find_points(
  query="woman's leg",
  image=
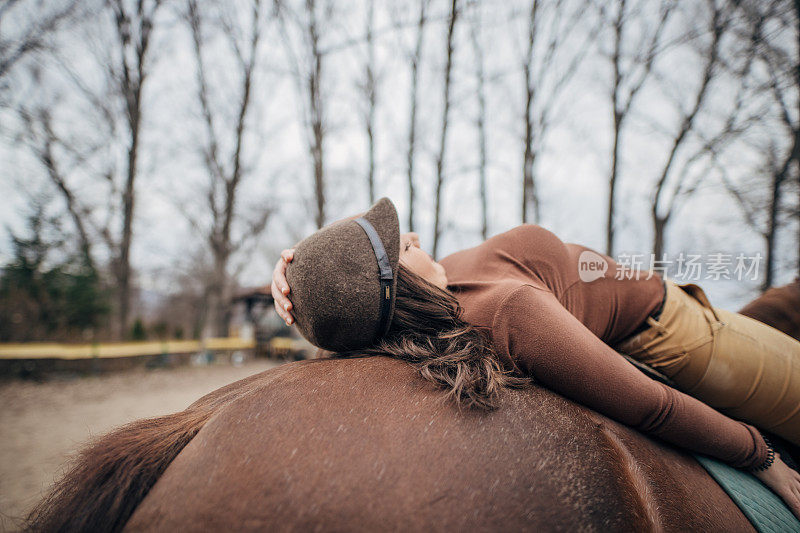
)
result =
(740, 366)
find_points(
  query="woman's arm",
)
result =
(555, 348)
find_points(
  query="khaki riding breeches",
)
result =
(740, 366)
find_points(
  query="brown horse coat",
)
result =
(365, 444)
(779, 307)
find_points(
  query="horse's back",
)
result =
(365, 444)
(778, 307)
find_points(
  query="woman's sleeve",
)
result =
(548, 343)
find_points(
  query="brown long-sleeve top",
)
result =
(523, 287)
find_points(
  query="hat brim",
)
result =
(336, 282)
(383, 216)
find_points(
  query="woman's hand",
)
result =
(784, 482)
(280, 287)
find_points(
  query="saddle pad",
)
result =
(765, 510)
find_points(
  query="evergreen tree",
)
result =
(46, 292)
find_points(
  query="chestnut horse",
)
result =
(366, 444)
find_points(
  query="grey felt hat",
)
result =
(343, 280)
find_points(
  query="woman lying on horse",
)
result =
(518, 308)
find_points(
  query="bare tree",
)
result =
(30, 32)
(59, 160)
(369, 88)
(316, 112)
(226, 172)
(440, 158)
(778, 51)
(667, 193)
(480, 92)
(784, 83)
(307, 60)
(549, 63)
(117, 109)
(759, 213)
(628, 79)
(416, 59)
(134, 26)
(529, 194)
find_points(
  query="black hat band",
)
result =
(386, 275)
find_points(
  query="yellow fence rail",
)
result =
(47, 350)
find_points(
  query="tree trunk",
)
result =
(371, 157)
(371, 88)
(481, 122)
(219, 296)
(440, 160)
(483, 151)
(529, 195)
(128, 199)
(612, 184)
(717, 26)
(225, 179)
(796, 79)
(528, 192)
(618, 117)
(632, 79)
(133, 71)
(659, 227)
(772, 229)
(317, 114)
(412, 129)
(128, 205)
(776, 187)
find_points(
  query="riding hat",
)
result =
(343, 280)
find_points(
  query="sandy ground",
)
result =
(41, 424)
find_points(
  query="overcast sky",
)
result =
(572, 170)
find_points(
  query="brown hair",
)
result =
(428, 331)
